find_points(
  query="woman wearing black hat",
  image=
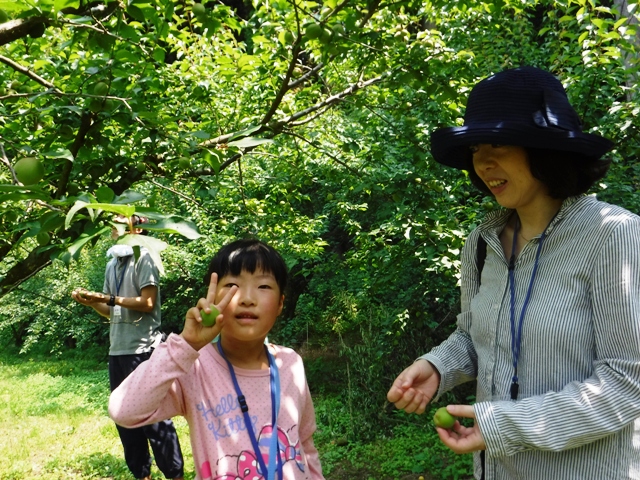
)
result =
(550, 317)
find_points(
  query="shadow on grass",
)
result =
(73, 361)
(102, 466)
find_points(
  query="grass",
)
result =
(410, 450)
(55, 411)
(53, 415)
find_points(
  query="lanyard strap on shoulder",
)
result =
(274, 380)
(115, 275)
(274, 383)
(516, 330)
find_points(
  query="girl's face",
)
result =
(254, 308)
(505, 170)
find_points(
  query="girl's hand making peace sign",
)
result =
(195, 332)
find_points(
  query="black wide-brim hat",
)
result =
(525, 106)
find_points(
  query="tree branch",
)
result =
(86, 122)
(23, 270)
(28, 73)
(179, 194)
(306, 76)
(332, 157)
(284, 86)
(5, 160)
(332, 99)
(20, 27)
(277, 127)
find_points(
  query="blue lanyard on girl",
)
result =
(274, 382)
(516, 337)
(115, 275)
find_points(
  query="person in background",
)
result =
(131, 301)
(550, 311)
(247, 402)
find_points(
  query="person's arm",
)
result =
(145, 302)
(607, 401)
(99, 301)
(456, 359)
(91, 299)
(151, 393)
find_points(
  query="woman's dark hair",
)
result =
(565, 174)
(248, 255)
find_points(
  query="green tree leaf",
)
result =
(249, 142)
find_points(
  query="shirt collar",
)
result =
(118, 251)
(495, 221)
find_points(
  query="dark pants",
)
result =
(161, 436)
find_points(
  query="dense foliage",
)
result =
(228, 119)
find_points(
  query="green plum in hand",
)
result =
(443, 418)
(209, 319)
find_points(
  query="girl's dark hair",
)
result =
(565, 174)
(248, 255)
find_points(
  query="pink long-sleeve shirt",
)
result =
(178, 380)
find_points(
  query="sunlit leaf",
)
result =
(59, 153)
(125, 210)
(14, 197)
(249, 142)
(77, 245)
(153, 245)
(245, 132)
(130, 196)
(213, 158)
(174, 225)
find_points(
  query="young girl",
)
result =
(232, 391)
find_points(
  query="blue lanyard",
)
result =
(516, 337)
(274, 383)
(115, 276)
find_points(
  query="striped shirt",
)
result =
(577, 415)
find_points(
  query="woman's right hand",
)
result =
(195, 332)
(415, 387)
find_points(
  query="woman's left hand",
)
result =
(462, 439)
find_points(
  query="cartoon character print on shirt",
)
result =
(248, 468)
(247, 465)
(287, 451)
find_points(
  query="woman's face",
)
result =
(504, 169)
